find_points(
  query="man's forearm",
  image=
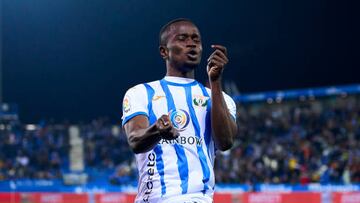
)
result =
(143, 140)
(142, 137)
(223, 126)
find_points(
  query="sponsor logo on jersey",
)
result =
(150, 175)
(190, 140)
(126, 104)
(179, 118)
(200, 101)
(155, 98)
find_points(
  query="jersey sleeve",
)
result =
(231, 105)
(134, 103)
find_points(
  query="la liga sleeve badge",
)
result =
(126, 104)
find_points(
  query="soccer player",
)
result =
(175, 125)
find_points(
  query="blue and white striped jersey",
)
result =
(184, 165)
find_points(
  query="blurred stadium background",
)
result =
(293, 146)
(65, 66)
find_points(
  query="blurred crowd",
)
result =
(107, 154)
(295, 142)
(42, 151)
(36, 153)
(314, 140)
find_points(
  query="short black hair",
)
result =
(165, 28)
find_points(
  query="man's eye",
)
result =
(182, 37)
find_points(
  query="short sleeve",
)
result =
(134, 103)
(231, 105)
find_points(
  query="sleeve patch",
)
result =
(126, 104)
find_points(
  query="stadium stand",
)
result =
(288, 141)
(282, 141)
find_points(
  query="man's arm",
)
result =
(223, 125)
(142, 137)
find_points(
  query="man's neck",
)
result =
(171, 71)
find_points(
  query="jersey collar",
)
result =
(179, 81)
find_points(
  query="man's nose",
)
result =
(191, 43)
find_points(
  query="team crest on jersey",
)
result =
(179, 118)
(200, 101)
(126, 104)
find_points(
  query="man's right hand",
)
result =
(166, 129)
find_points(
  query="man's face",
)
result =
(183, 48)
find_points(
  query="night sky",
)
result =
(74, 59)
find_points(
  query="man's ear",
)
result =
(163, 52)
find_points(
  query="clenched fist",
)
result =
(166, 129)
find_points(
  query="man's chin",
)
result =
(191, 66)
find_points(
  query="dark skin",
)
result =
(182, 53)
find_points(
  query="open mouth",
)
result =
(192, 54)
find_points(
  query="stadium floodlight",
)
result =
(30, 127)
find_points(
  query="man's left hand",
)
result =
(216, 62)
